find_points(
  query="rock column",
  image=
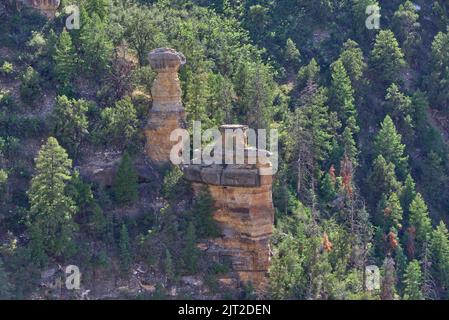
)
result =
(243, 209)
(167, 113)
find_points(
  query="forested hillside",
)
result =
(363, 120)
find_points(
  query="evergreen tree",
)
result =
(190, 251)
(419, 223)
(388, 144)
(413, 281)
(292, 55)
(439, 78)
(308, 74)
(382, 179)
(120, 122)
(439, 247)
(66, 62)
(342, 96)
(96, 47)
(353, 61)
(408, 193)
(387, 58)
(392, 212)
(398, 103)
(70, 122)
(125, 183)
(51, 209)
(125, 248)
(30, 86)
(407, 28)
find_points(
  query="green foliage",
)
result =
(66, 62)
(172, 185)
(342, 96)
(190, 253)
(387, 58)
(69, 121)
(413, 281)
(202, 211)
(51, 209)
(7, 68)
(439, 247)
(388, 144)
(292, 55)
(125, 252)
(96, 46)
(420, 222)
(407, 29)
(125, 182)
(30, 86)
(286, 269)
(120, 122)
(353, 61)
(439, 78)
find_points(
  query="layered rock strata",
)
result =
(167, 113)
(243, 209)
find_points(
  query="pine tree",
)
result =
(419, 223)
(292, 55)
(66, 61)
(392, 212)
(70, 122)
(342, 96)
(382, 179)
(398, 103)
(439, 247)
(407, 28)
(353, 61)
(387, 58)
(413, 281)
(388, 144)
(30, 86)
(96, 46)
(439, 78)
(125, 248)
(308, 74)
(125, 182)
(408, 193)
(51, 209)
(190, 251)
(120, 122)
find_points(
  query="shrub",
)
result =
(30, 85)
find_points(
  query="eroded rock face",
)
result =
(244, 212)
(167, 113)
(47, 7)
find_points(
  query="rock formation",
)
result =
(244, 211)
(47, 7)
(242, 194)
(167, 113)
